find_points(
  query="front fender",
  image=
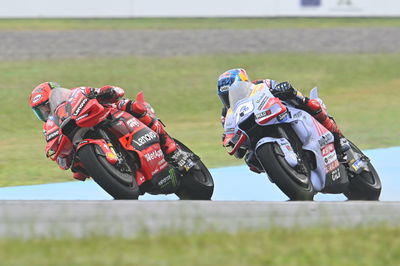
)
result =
(286, 148)
(102, 148)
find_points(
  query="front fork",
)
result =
(113, 153)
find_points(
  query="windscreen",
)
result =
(58, 96)
(238, 91)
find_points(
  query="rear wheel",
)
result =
(366, 185)
(119, 185)
(294, 182)
(195, 184)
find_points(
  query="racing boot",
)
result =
(78, 171)
(320, 113)
(80, 176)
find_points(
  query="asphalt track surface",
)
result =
(99, 43)
(21, 219)
(231, 184)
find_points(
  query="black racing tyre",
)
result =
(196, 184)
(119, 185)
(366, 185)
(296, 185)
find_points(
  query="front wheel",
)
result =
(295, 183)
(116, 183)
(195, 184)
(366, 185)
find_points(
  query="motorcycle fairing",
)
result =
(272, 108)
(55, 139)
(85, 111)
(137, 137)
(318, 140)
(314, 136)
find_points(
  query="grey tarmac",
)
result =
(24, 45)
(30, 219)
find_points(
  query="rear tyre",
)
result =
(196, 184)
(296, 185)
(116, 183)
(366, 185)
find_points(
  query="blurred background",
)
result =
(174, 51)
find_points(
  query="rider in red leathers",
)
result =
(286, 92)
(106, 95)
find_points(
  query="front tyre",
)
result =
(195, 184)
(116, 183)
(366, 185)
(295, 184)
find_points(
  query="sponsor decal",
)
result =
(358, 164)
(224, 88)
(244, 109)
(332, 166)
(261, 106)
(162, 163)
(310, 3)
(37, 98)
(39, 90)
(282, 116)
(53, 85)
(336, 174)
(146, 138)
(52, 135)
(153, 155)
(80, 107)
(81, 117)
(330, 158)
(325, 139)
(260, 98)
(132, 123)
(165, 181)
(297, 115)
(263, 114)
(327, 149)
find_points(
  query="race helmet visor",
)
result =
(42, 111)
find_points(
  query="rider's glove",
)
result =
(109, 94)
(223, 120)
(284, 91)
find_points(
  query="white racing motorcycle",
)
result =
(294, 149)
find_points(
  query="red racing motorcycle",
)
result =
(119, 152)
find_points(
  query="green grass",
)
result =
(190, 23)
(316, 246)
(361, 91)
